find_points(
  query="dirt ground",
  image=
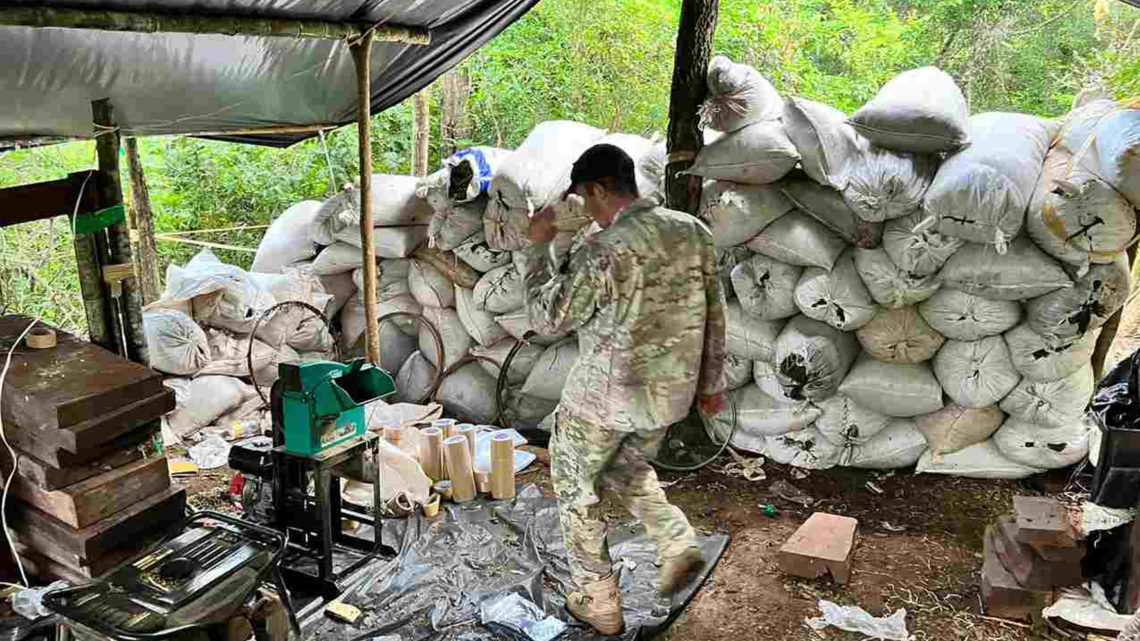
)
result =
(919, 548)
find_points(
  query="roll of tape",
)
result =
(41, 338)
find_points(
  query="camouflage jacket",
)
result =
(649, 309)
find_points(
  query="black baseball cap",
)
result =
(599, 162)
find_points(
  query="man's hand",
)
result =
(711, 405)
(542, 227)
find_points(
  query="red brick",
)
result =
(1026, 566)
(1001, 594)
(822, 546)
(1041, 521)
(1061, 555)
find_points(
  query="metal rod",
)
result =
(153, 22)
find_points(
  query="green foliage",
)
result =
(608, 63)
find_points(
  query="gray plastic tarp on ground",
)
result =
(481, 551)
(175, 83)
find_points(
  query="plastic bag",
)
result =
(920, 110)
(824, 204)
(980, 194)
(960, 316)
(899, 445)
(212, 452)
(521, 616)
(1071, 312)
(28, 602)
(976, 373)
(766, 287)
(749, 337)
(855, 619)
(916, 247)
(811, 358)
(174, 342)
(845, 422)
(825, 141)
(479, 324)
(889, 285)
(738, 96)
(500, 291)
(979, 461)
(899, 336)
(757, 154)
(287, 242)
(956, 427)
(1039, 359)
(798, 239)
(900, 390)
(837, 297)
(1023, 272)
(1052, 404)
(735, 213)
(884, 184)
(215, 294)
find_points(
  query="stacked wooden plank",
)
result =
(92, 487)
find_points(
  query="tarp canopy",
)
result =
(185, 83)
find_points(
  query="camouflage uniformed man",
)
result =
(647, 303)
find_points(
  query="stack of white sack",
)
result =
(926, 287)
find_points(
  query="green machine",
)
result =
(322, 402)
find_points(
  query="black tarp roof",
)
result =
(173, 83)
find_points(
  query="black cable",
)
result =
(470, 358)
(710, 432)
(436, 337)
(269, 312)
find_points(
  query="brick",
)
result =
(1061, 555)
(1041, 521)
(1026, 566)
(1002, 596)
(823, 545)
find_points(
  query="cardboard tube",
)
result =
(431, 453)
(502, 465)
(445, 425)
(459, 469)
(466, 430)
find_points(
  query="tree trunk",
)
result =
(690, 64)
(453, 125)
(1108, 332)
(110, 188)
(142, 221)
(421, 133)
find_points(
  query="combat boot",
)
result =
(599, 605)
(677, 571)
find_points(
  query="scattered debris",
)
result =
(1088, 608)
(522, 617)
(855, 619)
(212, 452)
(874, 488)
(342, 611)
(799, 473)
(790, 493)
(183, 468)
(751, 469)
(822, 546)
(886, 525)
(768, 510)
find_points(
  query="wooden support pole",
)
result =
(18, 15)
(109, 184)
(99, 328)
(361, 57)
(453, 126)
(690, 65)
(421, 132)
(142, 222)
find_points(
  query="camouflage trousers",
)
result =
(586, 458)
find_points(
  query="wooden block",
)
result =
(111, 425)
(55, 388)
(51, 456)
(100, 496)
(54, 478)
(823, 545)
(161, 511)
(1041, 521)
(1073, 556)
(95, 567)
(1001, 594)
(1027, 567)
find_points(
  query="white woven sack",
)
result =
(900, 390)
(735, 213)
(920, 110)
(976, 373)
(966, 317)
(798, 239)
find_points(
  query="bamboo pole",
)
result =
(142, 221)
(91, 287)
(16, 15)
(118, 235)
(361, 57)
(421, 132)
